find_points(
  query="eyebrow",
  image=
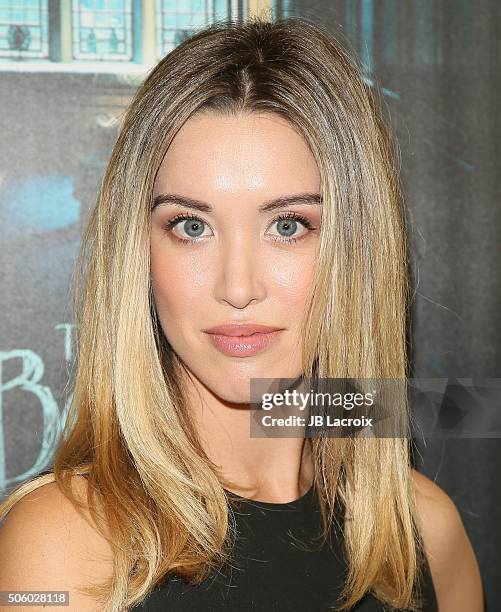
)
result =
(309, 198)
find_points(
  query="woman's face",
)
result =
(225, 256)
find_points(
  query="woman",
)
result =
(253, 183)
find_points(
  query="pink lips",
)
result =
(242, 339)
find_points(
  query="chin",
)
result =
(242, 397)
(234, 386)
(231, 386)
(231, 381)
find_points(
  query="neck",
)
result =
(277, 470)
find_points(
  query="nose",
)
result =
(240, 280)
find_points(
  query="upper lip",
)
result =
(241, 329)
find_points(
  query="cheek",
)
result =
(179, 285)
(183, 282)
(293, 282)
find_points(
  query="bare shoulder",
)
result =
(45, 544)
(452, 561)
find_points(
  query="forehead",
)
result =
(215, 152)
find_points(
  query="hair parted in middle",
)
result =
(129, 428)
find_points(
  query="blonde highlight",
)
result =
(128, 429)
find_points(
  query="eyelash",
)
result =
(289, 215)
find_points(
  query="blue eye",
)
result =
(192, 226)
(287, 225)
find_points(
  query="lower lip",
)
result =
(243, 346)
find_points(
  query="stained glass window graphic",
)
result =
(283, 8)
(24, 31)
(102, 30)
(179, 19)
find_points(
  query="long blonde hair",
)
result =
(129, 430)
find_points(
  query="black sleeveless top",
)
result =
(272, 569)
